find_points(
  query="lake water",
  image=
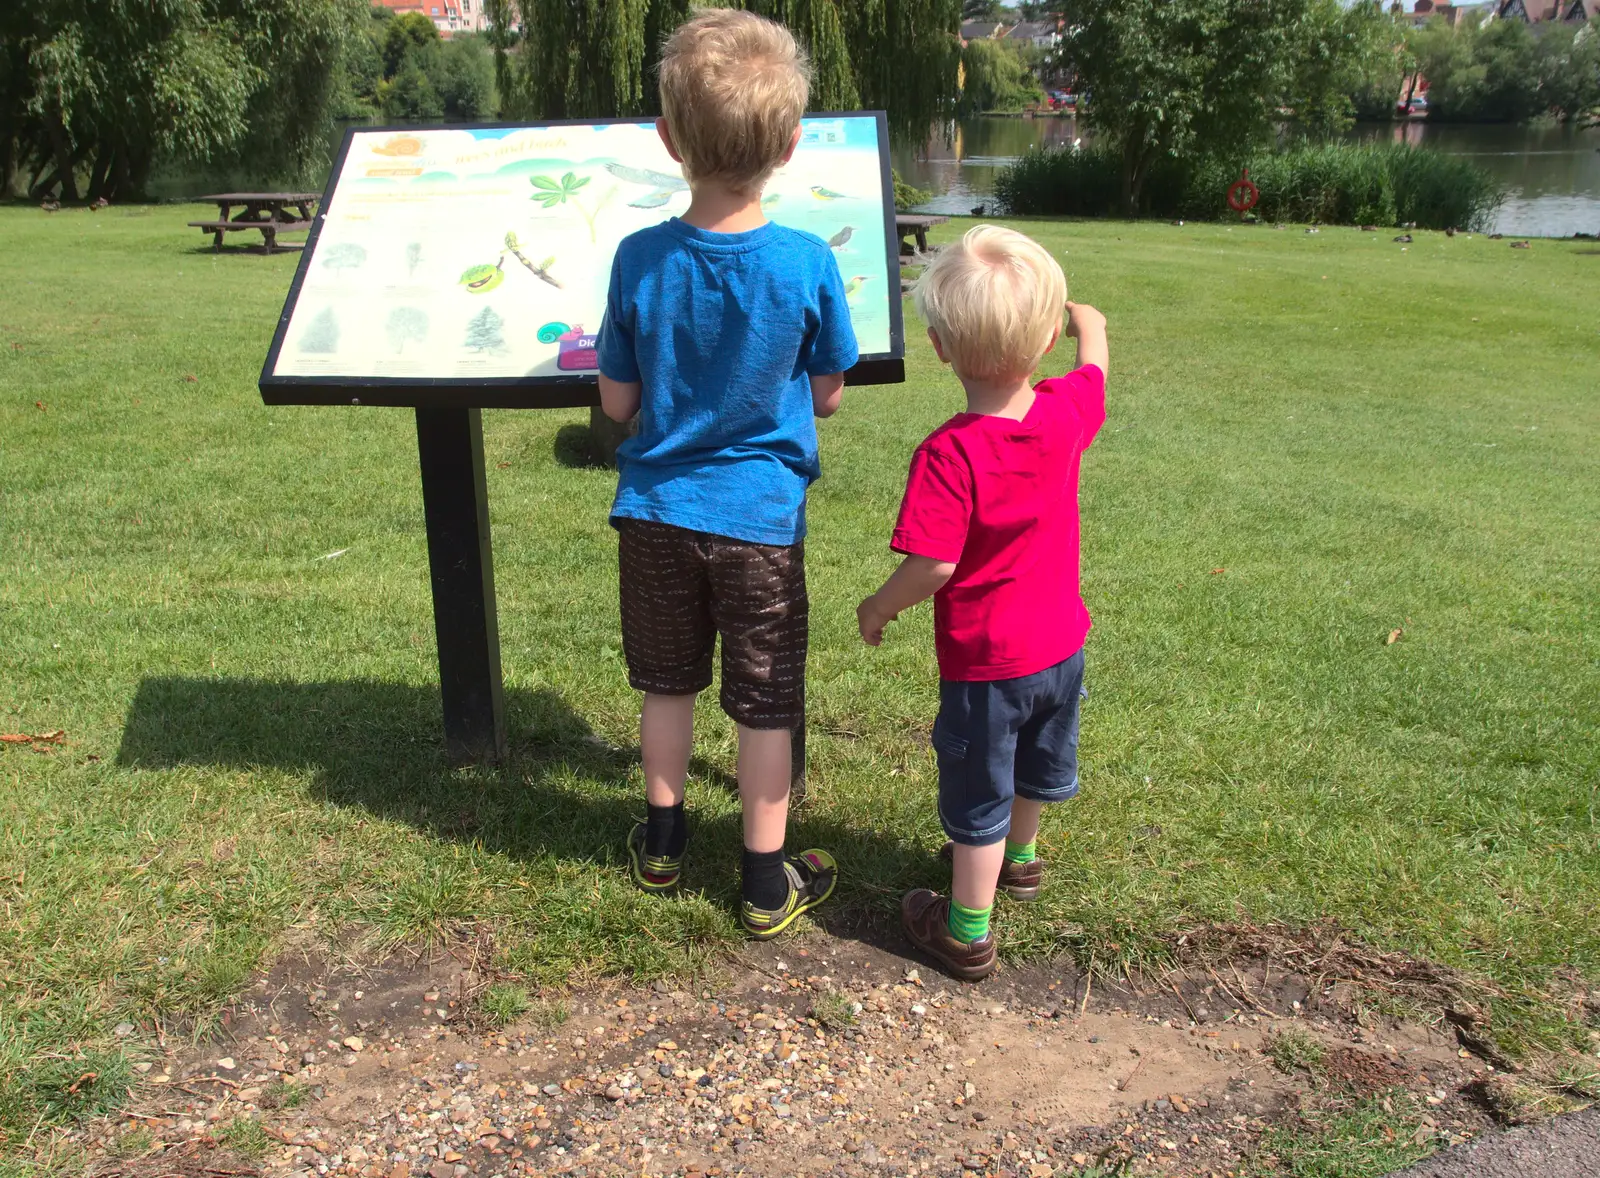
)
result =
(1552, 173)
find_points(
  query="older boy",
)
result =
(989, 529)
(728, 335)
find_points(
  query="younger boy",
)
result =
(989, 529)
(727, 335)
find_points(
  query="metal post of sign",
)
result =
(455, 502)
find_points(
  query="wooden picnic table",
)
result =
(915, 225)
(270, 212)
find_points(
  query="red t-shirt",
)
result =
(999, 498)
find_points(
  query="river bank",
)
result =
(1552, 173)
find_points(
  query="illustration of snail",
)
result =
(400, 145)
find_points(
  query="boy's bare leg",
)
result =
(974, 873)
(764, 772)
(1025, 814)
(666, 737)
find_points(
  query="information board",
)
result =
(468, 265)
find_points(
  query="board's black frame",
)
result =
(529, 392)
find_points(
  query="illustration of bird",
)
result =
(853, 287)
(664, 187)
(822, 193)
(768, 201)
(838, 240)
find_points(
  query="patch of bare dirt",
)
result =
(817, 1056)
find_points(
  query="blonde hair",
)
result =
(995, 298)
(733, 88)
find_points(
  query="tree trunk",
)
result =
(100, 173)
(40, 189)
(128, 173)
(1133, 171)
(63, 157)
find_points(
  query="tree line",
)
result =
(597, 59)
(1502, 72)
(398, 68)
(95, 95)
(1198, 79)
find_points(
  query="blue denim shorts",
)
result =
(1005, 737)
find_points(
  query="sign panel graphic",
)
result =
(481, 254)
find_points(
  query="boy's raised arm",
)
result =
(1088, 327)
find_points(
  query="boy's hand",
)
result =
(1081, 317)
(871, 617)
(1088, 327)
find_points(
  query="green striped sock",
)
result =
(1021, 852)
(968, 924)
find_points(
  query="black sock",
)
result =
(766, 883)
(665, 831)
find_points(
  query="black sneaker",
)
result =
(812, 875)
(653, 873)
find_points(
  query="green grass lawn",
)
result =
(1313, 441)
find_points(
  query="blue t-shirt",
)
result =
(724, 331)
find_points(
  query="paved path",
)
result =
(1568, 1147)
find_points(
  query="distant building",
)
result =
(1044, 34)
(448, 16)
(981, 30)
(1543, 11)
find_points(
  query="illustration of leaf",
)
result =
(545, 183)
(569, 181)
(577, 184)
(481, 279)
(547, 263)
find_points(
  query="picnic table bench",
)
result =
(270, 212)
(915, 225)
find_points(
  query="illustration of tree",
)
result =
(345, 256)
(413, 258)
(483, 332)
(551, 192)
(406, 325)
(322, 337)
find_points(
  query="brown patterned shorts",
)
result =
(680, 589)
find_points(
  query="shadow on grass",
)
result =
(564, 793)
(575, 449)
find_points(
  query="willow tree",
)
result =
(596, 58)
(102, 92)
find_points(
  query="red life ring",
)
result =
(1242, 195)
